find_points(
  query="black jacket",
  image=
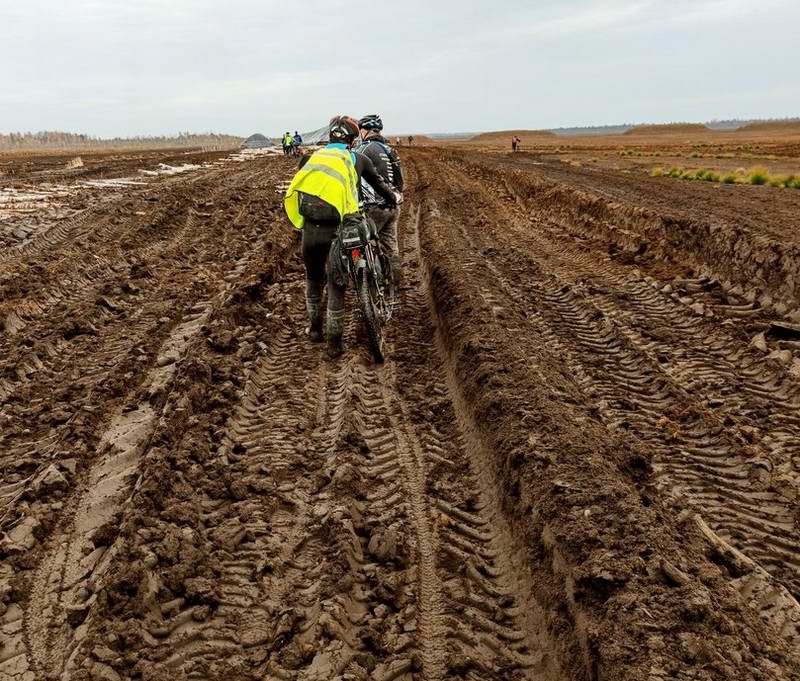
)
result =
(386, 162)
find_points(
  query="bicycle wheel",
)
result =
(369, 312)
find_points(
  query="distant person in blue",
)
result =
(297, 139)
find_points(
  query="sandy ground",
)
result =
(580, 461)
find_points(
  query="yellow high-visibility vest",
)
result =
(330, 174)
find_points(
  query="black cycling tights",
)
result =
(317, 240)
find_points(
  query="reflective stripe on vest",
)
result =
(330, 175)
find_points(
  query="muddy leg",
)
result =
(316, 244)
(335, 321)
(386, 222)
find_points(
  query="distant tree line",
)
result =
(50, 139)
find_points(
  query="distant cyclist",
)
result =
(375, 147)
(322, 192)
(288, 140)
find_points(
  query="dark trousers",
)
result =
(317, 240)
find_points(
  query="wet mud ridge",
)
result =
(562, 472)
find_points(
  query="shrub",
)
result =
(675, 171)
(778, 181)
(758, 175)
(689, 174)
(657, 172)
(729, 178)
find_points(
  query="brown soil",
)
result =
(418, 139)
(771, 127)
(505, 135)
(667, 128)
(572, 466)
(51, 166)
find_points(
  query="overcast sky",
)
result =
(114, 67)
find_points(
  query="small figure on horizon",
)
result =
(287, 141)
(410, 140)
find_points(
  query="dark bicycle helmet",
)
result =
(343, 129)
(371, 122)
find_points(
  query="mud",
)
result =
(574, 464)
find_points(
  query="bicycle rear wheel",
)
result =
(369, 312)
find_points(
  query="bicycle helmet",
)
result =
(343, 129)
(371, 122)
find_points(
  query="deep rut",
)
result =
(693, 401)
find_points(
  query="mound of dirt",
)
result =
(418, 139)
(505, 135)
(667, 129)
(772, 127)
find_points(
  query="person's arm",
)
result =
(366, 169)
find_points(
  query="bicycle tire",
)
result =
(372, 321)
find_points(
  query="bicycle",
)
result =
(362, 261)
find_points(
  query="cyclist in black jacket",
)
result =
(386, 161)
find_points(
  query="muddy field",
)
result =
(641, 150)
(581, 460)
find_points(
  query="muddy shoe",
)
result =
(314, 328)
(335, 347)
(335, 331)
(396, 268)
(314, 332)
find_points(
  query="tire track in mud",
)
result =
(89, 270)
(65, 583)
(252, 532)
(312, 579)
(55, 232)
(129, 322)
(423, 581)
(749, 505)
(640, 388)
(483, 609)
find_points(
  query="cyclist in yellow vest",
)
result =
(287, 141)
(324, 190)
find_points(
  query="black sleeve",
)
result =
(397, 171)
(303, 161)
(366, 169)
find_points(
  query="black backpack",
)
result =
(318, 210)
